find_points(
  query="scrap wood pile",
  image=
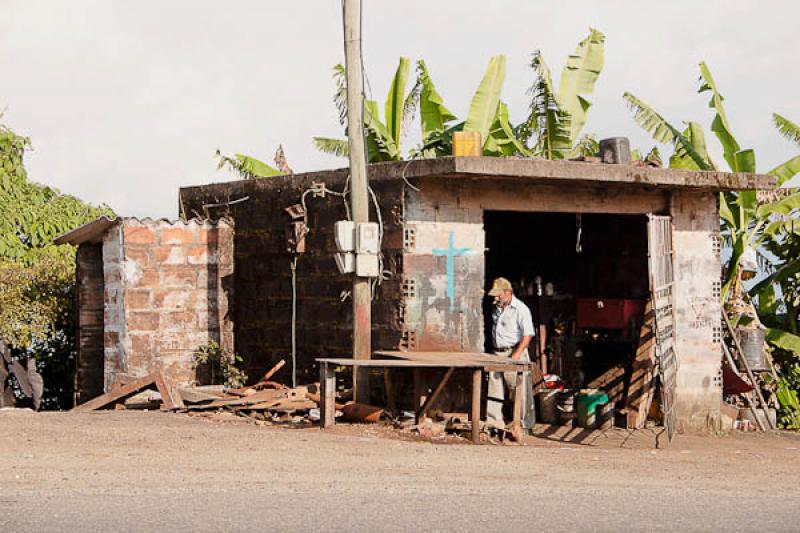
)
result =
(266, 400)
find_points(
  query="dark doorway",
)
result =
(585, 279)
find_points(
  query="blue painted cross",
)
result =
(451, 252)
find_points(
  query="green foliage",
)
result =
(787, 392)
(485, 101)
(787, 128)
(37, 278)
(555, 119)
(219, 365)
(245, 166)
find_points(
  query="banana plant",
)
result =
(746, 223)
(382, 137)
(556, 118)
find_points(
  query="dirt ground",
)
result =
(151, 471)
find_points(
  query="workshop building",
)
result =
(586, 245)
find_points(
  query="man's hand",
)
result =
(520, 348)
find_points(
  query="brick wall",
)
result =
(168, 286)
(89, 279)
(262, 314)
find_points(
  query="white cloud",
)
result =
(126, 102)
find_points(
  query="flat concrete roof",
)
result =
(543, 171)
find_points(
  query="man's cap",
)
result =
(499, 286)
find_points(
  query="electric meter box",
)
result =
(345, 262)
(344, 232)
(367, 238)
(367, 265)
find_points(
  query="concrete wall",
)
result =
(697, 309)
(166, 294)
(263, 283)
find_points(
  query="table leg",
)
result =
(516, 425)
(475, 415)
(327, 382)
(389, 388)
(420, 393)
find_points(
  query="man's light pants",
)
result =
(498, 382)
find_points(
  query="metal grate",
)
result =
(662, 281)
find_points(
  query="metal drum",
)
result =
(752, 341)
(616, 150)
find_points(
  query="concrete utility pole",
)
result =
(359, 195)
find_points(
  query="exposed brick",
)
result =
(140, 254)
(210, 235)
(138, 299)
(110, 339)
(176, 235)
(184, 320)
(138, 235)
(169, 255)
(143, 321)
(198, 255)
(178, 277)
(142, 344)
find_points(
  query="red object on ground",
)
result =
(608, 313)
(732, 383)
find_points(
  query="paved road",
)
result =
(157, 472)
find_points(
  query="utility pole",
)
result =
(359, 199)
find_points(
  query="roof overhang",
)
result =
(91, 232)
(529, 171)
(570, 172)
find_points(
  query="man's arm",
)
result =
(521, 347)
(525, 324)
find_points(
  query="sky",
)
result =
(125, 102)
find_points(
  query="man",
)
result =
(512, 331)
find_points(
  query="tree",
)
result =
(37, 278)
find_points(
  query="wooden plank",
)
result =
(167, 401)
(475, 413)
(327, 381)
(116, 394)
(435, 394)
(389, 389)
(495, 365)
(235, 401)
(192, 395)
(516, 423)
(272, 371)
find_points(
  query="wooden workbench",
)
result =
(477, 362)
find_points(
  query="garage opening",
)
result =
(586, 281)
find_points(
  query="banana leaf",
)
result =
(484, 103)
(786, 170)
(787, 128)
(578, 79)
(546, 120)
(395, 101)
(681, 158)
(737, 160)
(783, 339)
(434, 116)
(664, 132)
(502, 141)
(337, 147)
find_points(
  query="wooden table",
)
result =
(477, 362)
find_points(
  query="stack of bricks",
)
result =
(167, 291)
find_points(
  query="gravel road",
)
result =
(145, 471)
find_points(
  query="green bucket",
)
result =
(589, 405)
